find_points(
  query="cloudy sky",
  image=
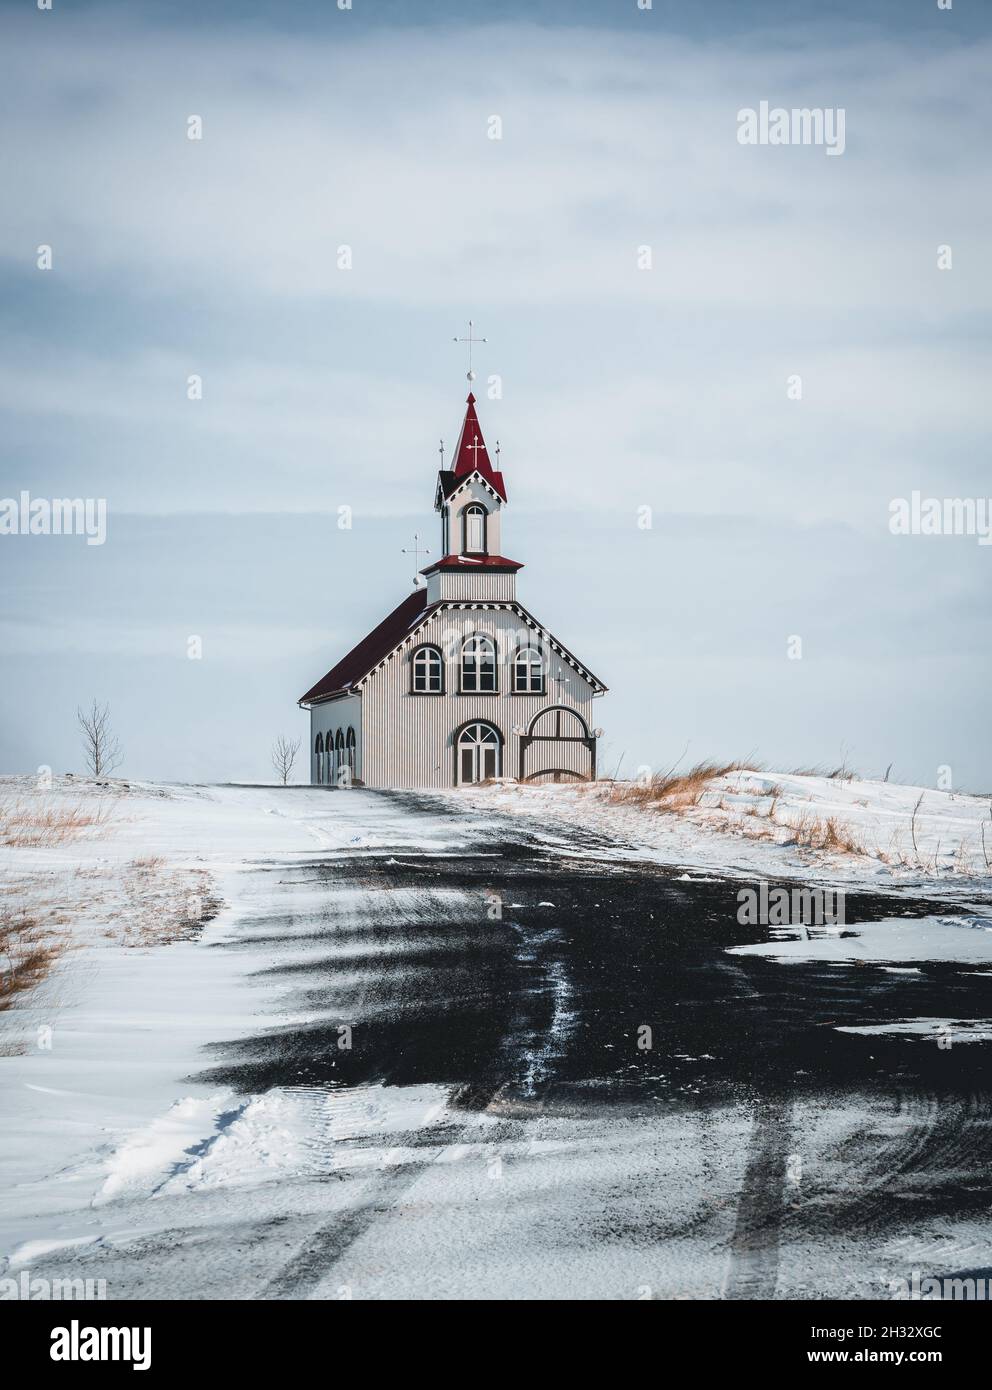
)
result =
(622, 387)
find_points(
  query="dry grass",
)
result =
(28, 950)
(27, 824)
(680, 793)
(676, 791)
(812, 832)
(159, 906)
(842, 773)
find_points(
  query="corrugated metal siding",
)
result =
(494, 588)
(327, 718)
(408, 740)
(474, 492)
(557, 754)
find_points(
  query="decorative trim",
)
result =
(457, 605)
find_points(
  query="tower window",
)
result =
(478, 665)
(428, 671)
(528, 672)
(474, 529)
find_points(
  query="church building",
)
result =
(461, 682)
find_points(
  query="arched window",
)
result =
(478, 753)
(528, 672)
(338, 754)
(474, 529)
(318, 749)
(478, 664)
(349, 752)
(428, 671)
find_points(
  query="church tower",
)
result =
(470, 497)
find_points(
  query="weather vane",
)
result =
(416, 551)
(470, 375)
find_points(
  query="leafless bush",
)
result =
(284, 752)
(101, 751)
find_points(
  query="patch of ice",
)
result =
(949, 1030)
(891, 940)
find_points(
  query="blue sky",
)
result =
(621, 388)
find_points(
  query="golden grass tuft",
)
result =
(33, 824)
(676, 791)
(28, 950)
(810, 832)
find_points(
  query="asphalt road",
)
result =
(470, 1108)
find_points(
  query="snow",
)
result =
(750, 823)
(944, 1030)
(964, 939)
(108, 1146)
(89, 1060)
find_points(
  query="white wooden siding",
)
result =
(409, 740)
(472, 582)
(344, 713)
(466, 495)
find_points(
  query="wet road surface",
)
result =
(535, 985)
(516, 1064)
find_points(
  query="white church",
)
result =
(460, 683)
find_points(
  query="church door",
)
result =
(478, 754)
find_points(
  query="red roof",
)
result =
(373, 648)
(471, 454)
(468, 562)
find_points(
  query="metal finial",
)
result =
(470, 374)
(416, 550)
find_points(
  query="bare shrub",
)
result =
(101, 751)
(284, 752)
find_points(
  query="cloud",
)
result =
(620, 387)
(380, 142)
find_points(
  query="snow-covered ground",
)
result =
(109, 1148)
(90, 1059)
(760, 823)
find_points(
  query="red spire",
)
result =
(471, 454)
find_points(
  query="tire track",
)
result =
(754, 1247)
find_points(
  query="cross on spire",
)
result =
(416, 551)
(470, 340)
(475, 447)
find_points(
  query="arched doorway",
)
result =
(558, 748)
(478, 753)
